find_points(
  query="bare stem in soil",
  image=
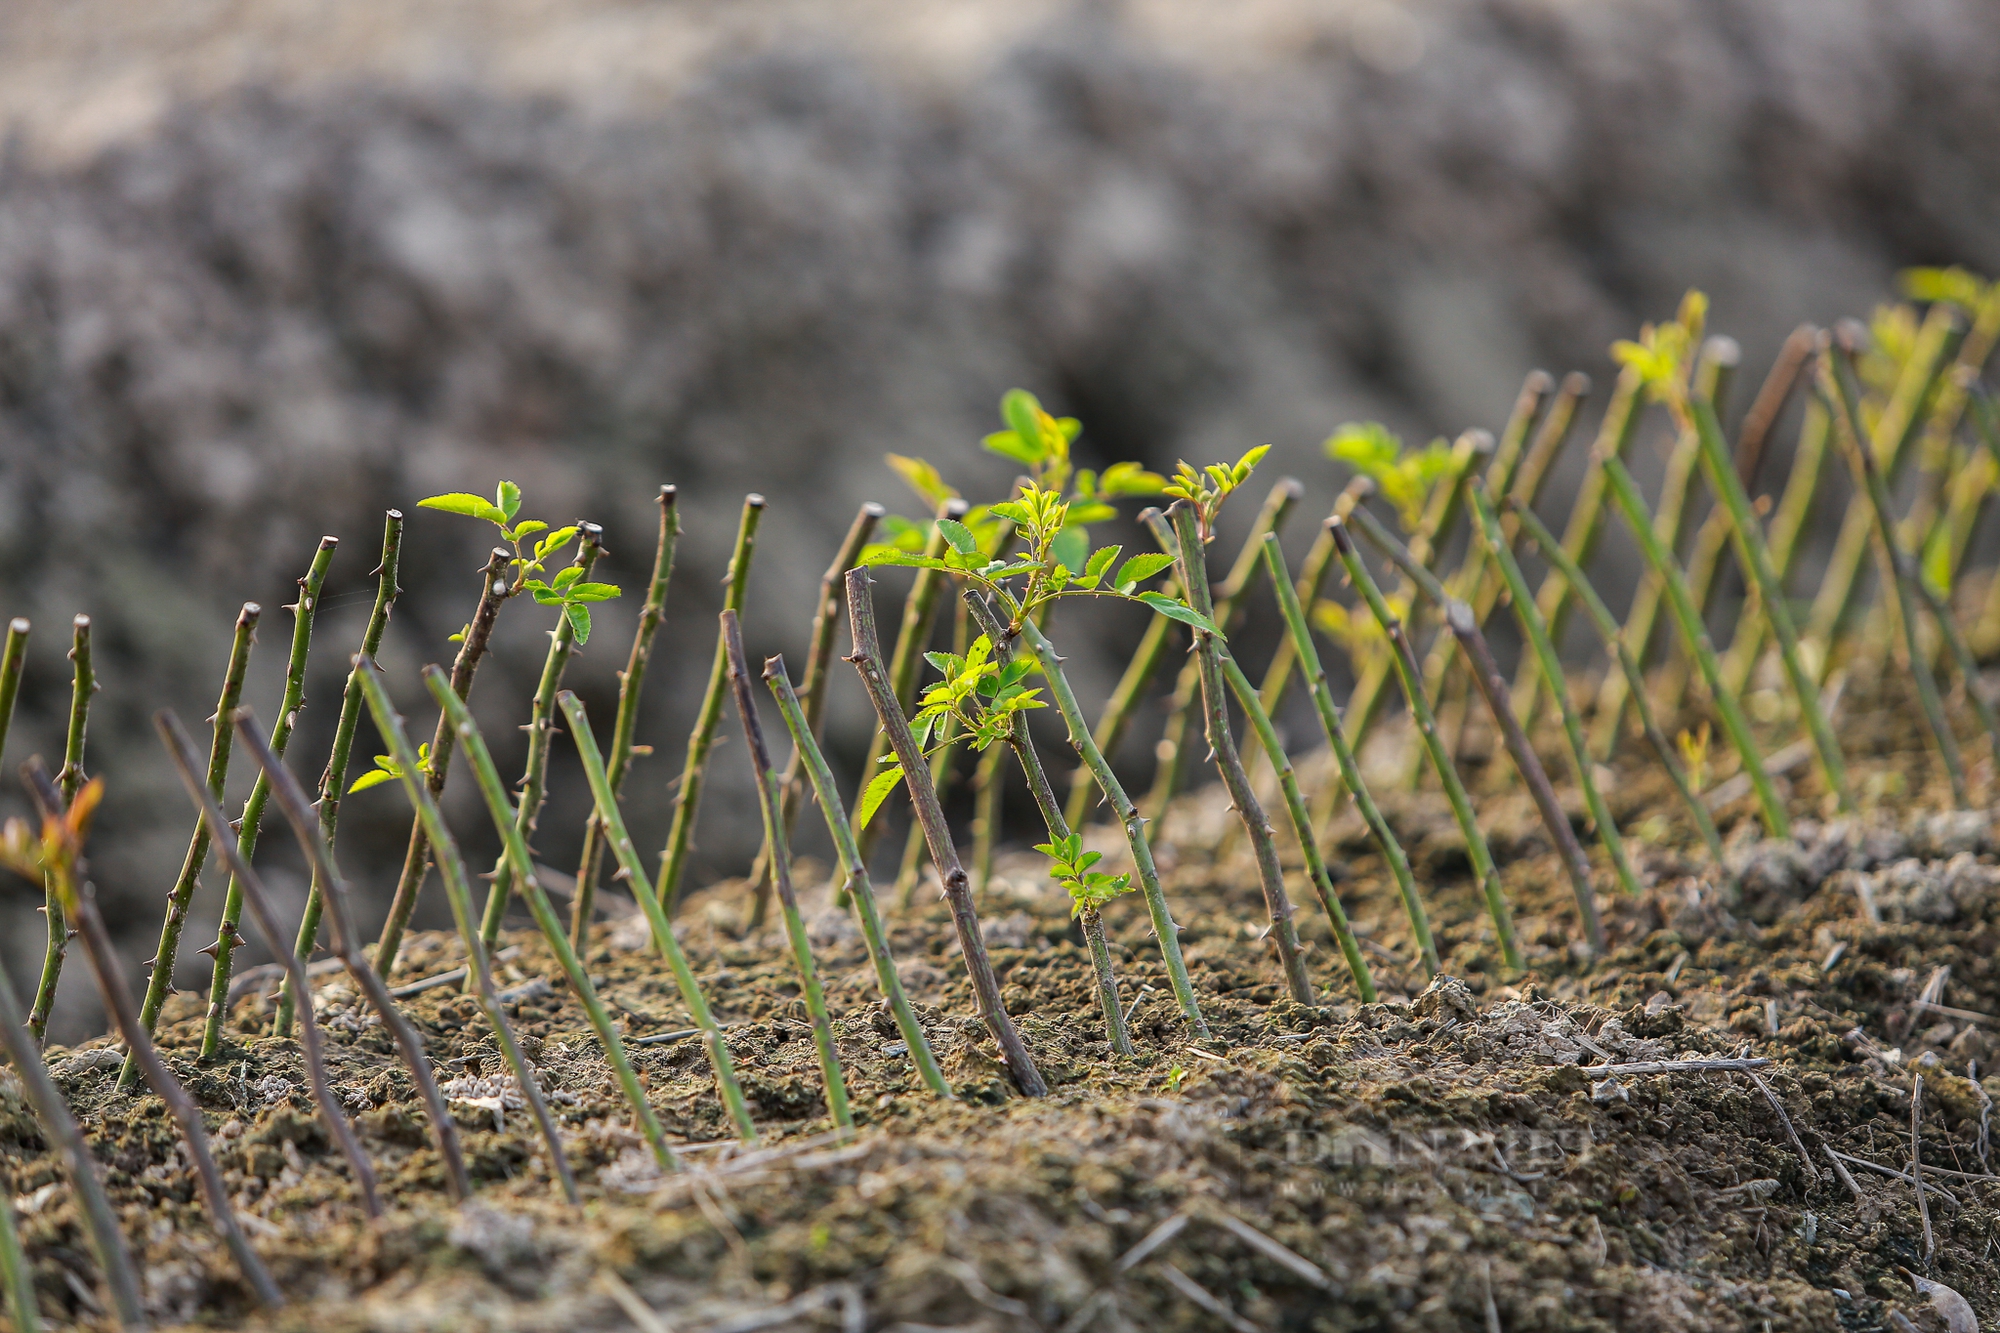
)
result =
(1607, 629)
(1625, 493)
(1300, 637)
(226, 938)
(854, 874)
(61, 1129)
(339, 902)
(1222, 746)
(626, 854)
(494, 590)
(510, 824)
(333, 783)
(1129, 818)
(80, 902)
(819, 656)
(451, 869)
(630, 682)
(1843, 392)
(83, 685)
(1746, 643)
(1089, 917)
(687, 799)
(541, 730)
(781, 875)
(251, 889)
(160, 984)
(1461, 804)
(867, 661)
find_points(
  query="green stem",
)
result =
(1961, 653)
(630, 681)
(13, 661)
(943, 752)
(458, 891)
(819, 656)
(1119, 710)
(687, 798)
(59, 1126)
(1222, 745)
(188, 761)
(1461, 804)
(1230, 603)
(1300, 636)
(1091, 918)
(541, 729)
(333, 783)
(83, 685)
(626, 854)
(1607, 629)
(226, 938)
(1755, 556)
(1538, 638)
(1625, 494)
(298, 812)
(1586, 521)
(1128, 816)
(920, 607)
(494, 590)
(866, 658)
(512, 828)
(160, 984)
(1844, 392)
(855, 875)
(16, 1274)
(1746, 644)
(781, 874)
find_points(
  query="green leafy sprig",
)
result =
(1070, 866)
(566, 590)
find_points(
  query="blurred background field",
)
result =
(267, 269)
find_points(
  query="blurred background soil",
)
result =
(267, 269)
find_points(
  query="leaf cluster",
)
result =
(388, 770)
(1070, 866)
(1208, 487)
(50, 855)
(1664, 354)
(1404, 476)
(566, 590)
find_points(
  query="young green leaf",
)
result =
(508, 500)
(958, 536)
(878, 791)
(922, 478)
(579, 620)
(1071, 549)
(458, 502)
(594, 592)
(1140, 568)
(374, 777)
(1100, 560)
(1177, 610)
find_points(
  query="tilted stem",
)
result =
(318, 848)
(1230, 602)
(60, 1128)
(1222, 745)
(1319, 563)
(304, 611)
(451, 869)
(626, 853)
(855, 875)
(1844, 393)
(1607, 629)
(80, 901)
(819, 656)
(1091, 918)
(16, 1274)
(70, 780)
(160, 984)
(1625, 494)
(920, 607)
(687, 797)
(333, 783)
(1300, 636)
(1580, 534)
(494, 590)
(1755, 557)
(13, 661)
(944, 750)
(1119, 710)
(1492, 687)
(535, 771)
(1537, 635)
(514, 843)
(1961, 652)
(630, 681)
(1461, 804)
(1129, 818)
(1746, 643)
(944, 855)
(781, 874)
(188, 761)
